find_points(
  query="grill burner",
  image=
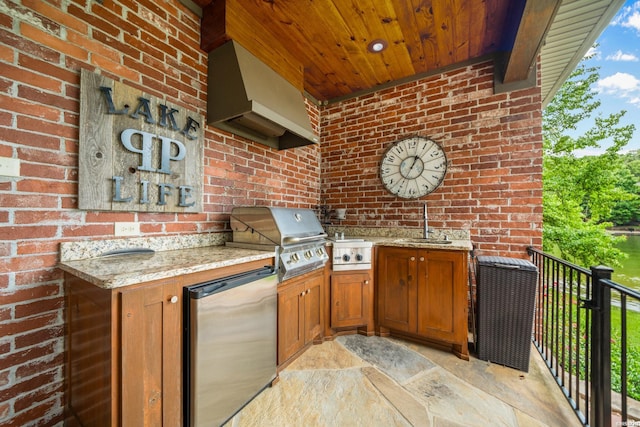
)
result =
(353, 254)
(294, 234)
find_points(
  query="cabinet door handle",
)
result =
(173, 299)
(421, 258)
(366, 282)
(412, 258)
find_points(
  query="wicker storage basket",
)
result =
(506, 294)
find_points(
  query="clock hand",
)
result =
(415, 159)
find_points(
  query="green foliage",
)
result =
(572, 325)
(581, 195)
(627, 212)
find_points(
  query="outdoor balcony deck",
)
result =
(373, 381)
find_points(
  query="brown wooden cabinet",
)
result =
(422, 294)
(124, 350)
(351, 299)
(300, 314)
(125, 353)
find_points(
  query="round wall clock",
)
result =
(413, 167)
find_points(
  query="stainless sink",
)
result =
(426, 240)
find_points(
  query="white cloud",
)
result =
(629, 17)
(633, 21)
(619, 83)
(619, 56)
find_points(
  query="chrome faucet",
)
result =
(426, 222)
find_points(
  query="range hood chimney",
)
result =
(248, 98)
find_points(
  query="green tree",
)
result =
(579, 193)
(627, 212)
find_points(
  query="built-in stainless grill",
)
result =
(294, 234)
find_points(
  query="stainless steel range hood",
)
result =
(248, 98)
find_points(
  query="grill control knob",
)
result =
(308, 254)
(295, 258)
(346, 257)
(359, 257)
(319, 251)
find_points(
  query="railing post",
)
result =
(601, 348)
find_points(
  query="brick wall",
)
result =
(43, 46)
(493, 143)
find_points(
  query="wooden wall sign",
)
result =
(137, 152)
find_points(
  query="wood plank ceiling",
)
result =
(321, 46)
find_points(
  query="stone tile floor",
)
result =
(373, 381)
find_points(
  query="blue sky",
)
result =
(618, 57)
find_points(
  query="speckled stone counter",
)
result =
(455, 245)
(403, 237)
(128, 269)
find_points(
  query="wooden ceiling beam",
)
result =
(536, 21)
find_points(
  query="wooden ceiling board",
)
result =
(478, 29)
(312, 41)
(321, 45)
(246, 24)
(411, 34)
(370, 68)
(381, 22)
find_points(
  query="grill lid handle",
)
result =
(293, 240)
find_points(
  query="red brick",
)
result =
(46, 186)
(32, 247)
(38, 307)
(22, 326)
(45, 393)
(28, 232)
(30, 78)
(87, 230)
(27, 201)
(27, 46)
(42, 276)
(56, 15)
(24, 263)
(99, 20)
(42, 37)
(30, 108)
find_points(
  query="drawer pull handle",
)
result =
(173, 299)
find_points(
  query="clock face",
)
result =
(413, 167)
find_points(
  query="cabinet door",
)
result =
(397, 284)
(290, 321)
(313, 319)
(349, 299)
(151, 350)
(441, 295)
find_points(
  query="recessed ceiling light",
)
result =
(377, 45)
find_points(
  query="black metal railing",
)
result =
(573, 332)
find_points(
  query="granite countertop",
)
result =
(404, 242)
(407, 242)
(171, 256)
(124, 270)
(404, 237)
